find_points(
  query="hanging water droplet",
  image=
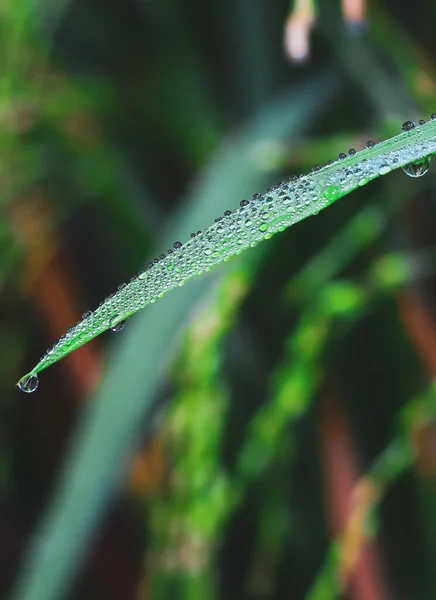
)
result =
(29, 383)
(418, 168)
(117, 326)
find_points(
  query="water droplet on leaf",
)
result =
(384, 169)
(418, 168)
(408, 125)
(117, 326)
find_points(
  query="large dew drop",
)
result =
(117, 326)
(418, 168)
(29, 383)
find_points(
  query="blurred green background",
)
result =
(267, 431)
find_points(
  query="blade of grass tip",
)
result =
(239, 166)
(265, 215)
(109, 427)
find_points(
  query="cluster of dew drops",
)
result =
(415, 169)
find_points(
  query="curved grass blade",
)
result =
(254, 221)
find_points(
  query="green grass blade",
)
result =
(255, 220)
(239, 167)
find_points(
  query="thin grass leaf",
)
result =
(303, 366)
(255, 220)
(398, 456)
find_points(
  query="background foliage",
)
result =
(267, 430)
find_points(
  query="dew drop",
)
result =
(87, 314)
(408, 125)
(351, 152)
(433, 117)
(370, 144)
(117, 326)
(342, 155)
(263, 227)
(421, 122)
(384, 169)
(418, 168)
(243, 203)
(29, 383)
(331, 192)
